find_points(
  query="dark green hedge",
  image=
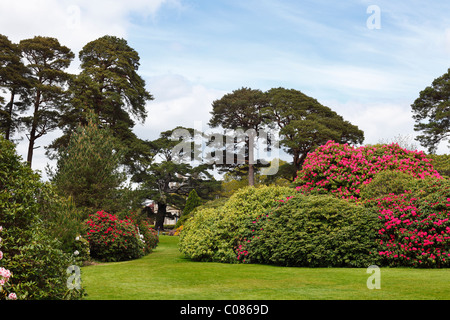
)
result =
(313, 231)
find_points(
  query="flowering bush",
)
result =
(148, 235)
(113, 239)
(341, 169)
(402, 186)
(178, 230)
(80, 250)
(416, 226)
(5, 274)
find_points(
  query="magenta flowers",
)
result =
(341, 169)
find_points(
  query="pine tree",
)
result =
(192, 202)
(88, 169)
(46, 60)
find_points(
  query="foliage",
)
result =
(192, 202)
(33, 256)
(441, 162)
(170, 177)
(342, 170)
(47, 61)
(431, 113)
(61, 217)
(305, 124)
(242, 109)
(13, 79)
(108, 85)
(178, 230)
(5, 274)
(212, 234)
(146, 232)
(312, 231)
(387, 182)
(80, 250)
(88, 169)
(114, 239)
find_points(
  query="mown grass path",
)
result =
(166, 275)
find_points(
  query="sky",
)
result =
(366, 60)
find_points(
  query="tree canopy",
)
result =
(109, 85)
(305, 124)
(431, 111)
(167, 180)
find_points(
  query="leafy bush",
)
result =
(148, 235)
(212, 234)
(62, 218)
(113, 239)
(387, 182)
(34, 257)
(312, 231)
(5, 274)
(80, 250)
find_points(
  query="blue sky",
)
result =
(193, 52)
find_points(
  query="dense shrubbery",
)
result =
(35, 258)
(312, 231)
(114, 239)
(355, 206)
(212, 234)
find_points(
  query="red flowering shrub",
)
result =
(113, 239)
(341, 169)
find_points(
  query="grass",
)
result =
(166, 275)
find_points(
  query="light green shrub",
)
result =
(213, 233)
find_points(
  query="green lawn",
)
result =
(166, 274)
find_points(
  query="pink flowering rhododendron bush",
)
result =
(5, 274)
(415, 228)
(343, 170)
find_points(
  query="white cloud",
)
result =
(178, 102)
(73, 22)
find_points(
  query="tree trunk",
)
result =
(251, 158)
(32, 136)
(10, 111)
(299, 159)
(160, 215)
(251, 175)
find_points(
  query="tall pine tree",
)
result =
(46, 60)
(13, 81)
(109, 85)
